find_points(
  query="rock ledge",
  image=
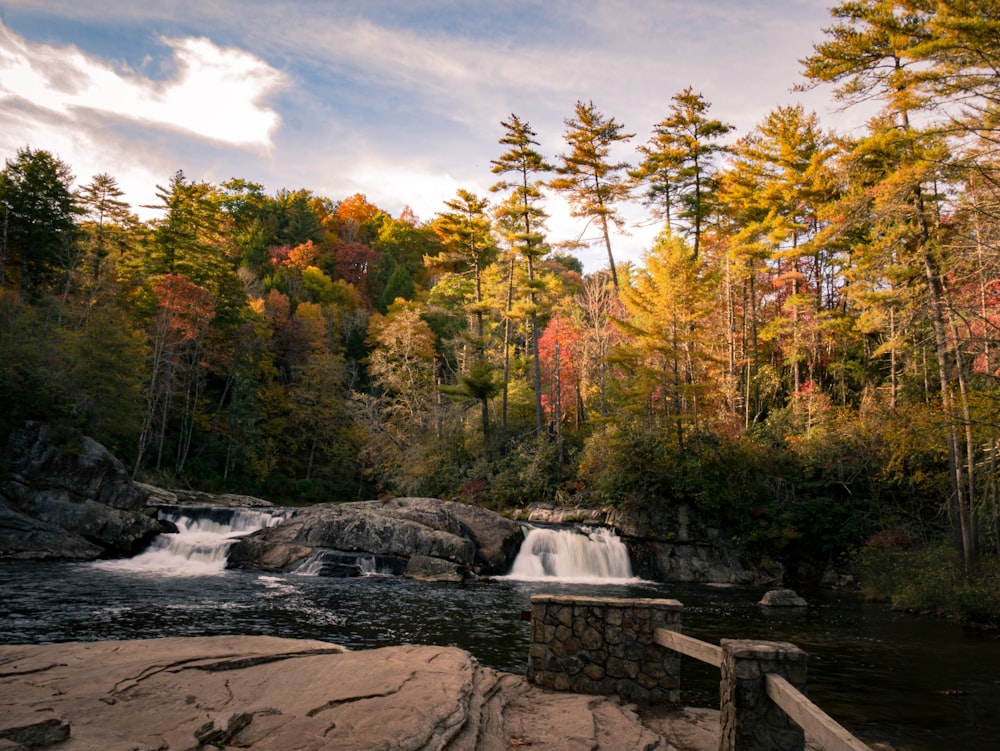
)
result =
(270, 693)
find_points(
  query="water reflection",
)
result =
(917, 683)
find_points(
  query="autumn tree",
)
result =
(592, 181)
(678, 166)
(398, 414)
(356, 220)
(109, 219)
(779, 182)
(874, 51)
(522, 219)
(559, 348)
(666, 327)
(598, 305)
(177, 334)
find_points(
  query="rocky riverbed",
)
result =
(65, 496)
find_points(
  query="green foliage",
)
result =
(527, 473)
(929, 579)
(621, 465)
(38, 219)
(29, 384)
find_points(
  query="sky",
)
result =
(400, 100)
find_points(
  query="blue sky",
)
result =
(399, 100)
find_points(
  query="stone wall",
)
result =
(603, 646)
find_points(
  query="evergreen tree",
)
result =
(523, 220)
(592, 183)
(874, 51)
(109, 218)
(678, 169)
(466, 237)
(38, 218)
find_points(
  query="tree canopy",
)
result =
(807, 354)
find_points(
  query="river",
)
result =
(915, 682)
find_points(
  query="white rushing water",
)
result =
(588, 554)
(202, 541)
(347, 564)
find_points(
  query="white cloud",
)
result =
(399, 101)
(216, 93)
(393, 186)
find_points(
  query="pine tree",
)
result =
(523, 218)
(592, 182)
(875, 52)
(38, 222)
(108, 216)
(678, 169)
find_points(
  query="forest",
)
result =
(807, 354)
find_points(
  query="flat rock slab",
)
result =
(282, 694)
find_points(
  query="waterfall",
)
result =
(586, 554)
(202, 541)
(340, 563)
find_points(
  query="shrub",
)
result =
(930, 579)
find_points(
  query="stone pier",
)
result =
(750, 720)
(603, 646)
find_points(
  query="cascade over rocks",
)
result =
(670, 544)
(457, 538)
(66, 496)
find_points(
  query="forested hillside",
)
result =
(808, 353)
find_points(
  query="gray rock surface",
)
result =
(466, 537)
(783, 598)
(277, 694)
(425, 568)
(66, 496)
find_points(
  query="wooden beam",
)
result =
(817, 724)
(687, 645)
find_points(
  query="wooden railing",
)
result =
(688, 645)
(815, 723)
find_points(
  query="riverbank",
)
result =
(929, 581)
(272, 693)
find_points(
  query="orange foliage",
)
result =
(352, 213)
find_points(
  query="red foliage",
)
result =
(406, 216)
(564, 332)
(184, 310)
(352, 262)
(279, 255)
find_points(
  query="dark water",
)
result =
(885, 676)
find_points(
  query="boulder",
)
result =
(783, 598)
(465, 537)
(497, 539)
(425, 568)
(271, 693)
(696, 562)
(66, 496)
